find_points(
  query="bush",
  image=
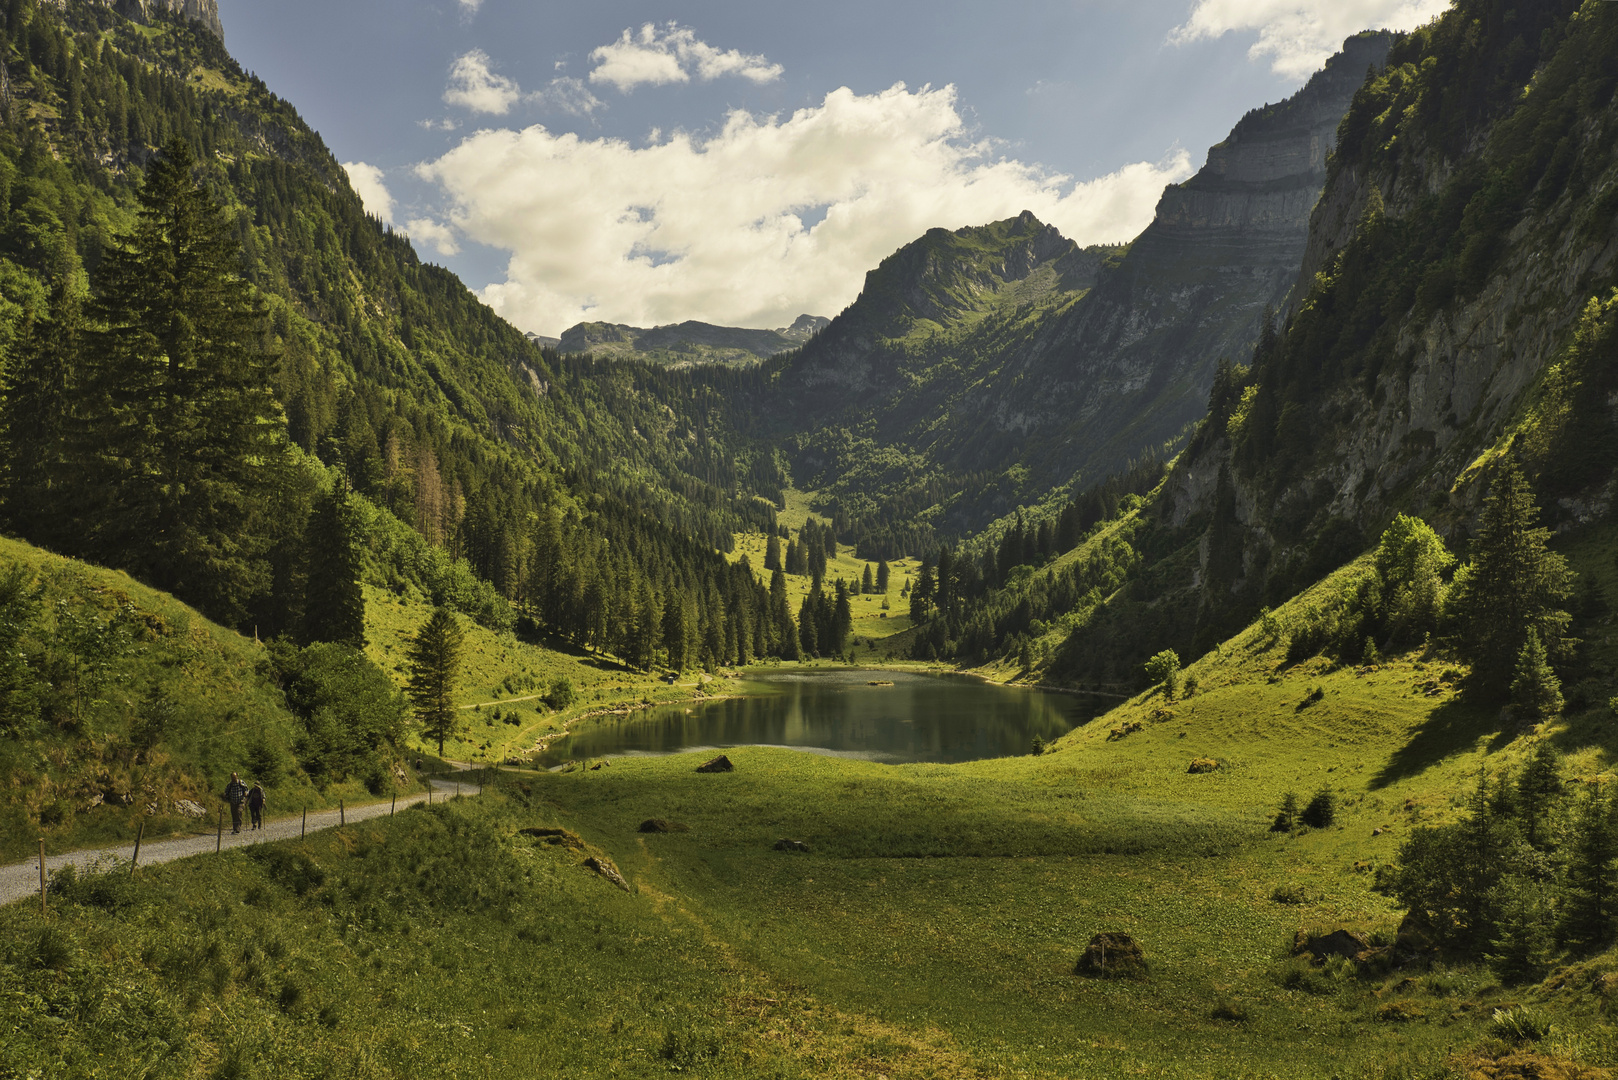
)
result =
(1321, 811)
(1287, 819)
(560, 695)
(1518, 1025)
(1163, 670)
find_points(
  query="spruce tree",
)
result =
(772, 553)
(676, 632)
(38, 443)
(1513, 584)
(434, 660)
(1539, 793)
(334, 604)
(182, 404)
(842, 621)
(808, 628)
(1536, 691)
(883, 574)
(1591, 891)
(1522, 946)
(867, 583)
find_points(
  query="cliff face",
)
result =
(1393, 386)
(1131, 365)
(205, 12)
(689, 342)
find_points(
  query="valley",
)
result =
(1242, 593)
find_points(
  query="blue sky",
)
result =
(745, 162)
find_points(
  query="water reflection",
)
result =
(916, 718)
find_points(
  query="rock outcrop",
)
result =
(205, 12)
(688, 342)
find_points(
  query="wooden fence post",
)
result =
(135, 858)
(42, 911)
(304, 828)
(341, 818)
(219, 841)
(394, 805)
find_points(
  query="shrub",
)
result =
(1163, 670)
(1038, 746)
(1321, 811)
(561, 694)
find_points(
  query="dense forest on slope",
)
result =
(464, 441)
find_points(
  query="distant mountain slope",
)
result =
(981, 370)
(689, 342)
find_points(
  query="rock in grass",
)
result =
(718, 764)
(1202, 765)
(1345, 943)
(784, 844)
(657, 824)
(1111, 955)
(189, 809)
(605, 868)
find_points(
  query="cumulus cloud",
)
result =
(474, 85)
(470, 7)
(766, 219)
(428, 231)
(1299, 35)
(672, 54)
(366, 180)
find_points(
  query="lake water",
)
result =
(917, 718)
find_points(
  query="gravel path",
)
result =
(22, 879)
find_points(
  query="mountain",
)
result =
(205, 12)
(689, 342)
(981, 370)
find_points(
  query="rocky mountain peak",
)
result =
(205, 12)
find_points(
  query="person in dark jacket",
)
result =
(235, 795)
(255, 805)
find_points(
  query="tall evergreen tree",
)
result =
(1536, 691)
(676, 632)
(1513, 584)
(883, 574)
(867, 582)
(772, 553)
(1592, 874)
(434, 660)
(334, 604)
(36, 423)
(182, 405)
(842, 621)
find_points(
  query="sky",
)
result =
(743, 162)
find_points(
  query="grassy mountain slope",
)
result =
(687, 343)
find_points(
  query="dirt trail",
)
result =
(21, 880)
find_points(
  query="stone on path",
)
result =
(718, 764)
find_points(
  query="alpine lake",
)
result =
(885, 716)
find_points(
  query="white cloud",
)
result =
(366, 180)
(567, 95)
(445, 124)
(470, 7)
(713, 229)
(473, 85)
(428, 231)
(673, 54)
(1299, 35)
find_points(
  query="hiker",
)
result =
(255, 805)
(235, 795)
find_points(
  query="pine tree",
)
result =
(772, 553)
(842, 621)
(434, 660)
(922, 594)
(334, 605)
(182, 405)
(1514, 584)
(867, 583)
(676, 632)
(1539, 792)
(883, 574)
(1522, 946)
(1591, 892)
(37, 433)
(1536, 691)
(809, 625)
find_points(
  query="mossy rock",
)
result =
(1112, 955)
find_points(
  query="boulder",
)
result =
(1112, 955)
(657, 824)
(784, 844)
(605, 868)
(1345, 943)
(189, 809)
(718, 764)
(1203, 765)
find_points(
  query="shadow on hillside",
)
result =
(1588, 728)
(1453, 726)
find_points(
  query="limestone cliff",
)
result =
(205, 12)
(1131, 365)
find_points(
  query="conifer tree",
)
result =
(676, 632)
(883, 574)
(1513, 584)
(808, 628)
(1536, 691)
(772, 553)
(867, 583)
(1539, 791)
(434, 659)
(842, 621)
(1522, 946)
(37, 434)
(1592, 876)
(334, 604)
(182, 406)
